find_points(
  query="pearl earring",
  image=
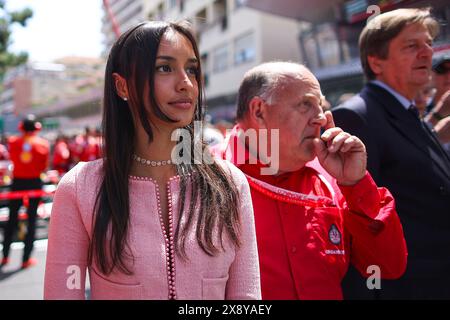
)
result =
(125, 99)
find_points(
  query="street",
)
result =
(23, 284)
(26, 284)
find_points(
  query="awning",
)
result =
(350, 68)
(306, 10)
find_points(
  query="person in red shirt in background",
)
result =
(4, 154)
(91, 147)
(61, 155)
(316, 207)
(29, 154)
(76, 145)
(4, 163)
(99, 139)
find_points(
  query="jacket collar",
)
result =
(405, 124)
(403, 101)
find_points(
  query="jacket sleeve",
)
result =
(244, 275)
(68, 242)
(376, 234)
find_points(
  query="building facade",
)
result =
(329, 40)
(51, 90)
(121, 14)
(232, 38)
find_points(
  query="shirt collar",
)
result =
(238, 153)
(235, 149)
(403, 101)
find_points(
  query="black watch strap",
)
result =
(437, 115)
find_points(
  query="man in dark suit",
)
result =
(403, 154)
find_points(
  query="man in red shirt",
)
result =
(4, 154)
(91, 147)
(61, 155)
(316, 207)
(29, 154)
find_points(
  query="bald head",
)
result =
(268, 81)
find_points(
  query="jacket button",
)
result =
(443, 191)
(294, 249)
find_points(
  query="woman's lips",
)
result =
(182, 104)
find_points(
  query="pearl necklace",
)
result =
(151, 162)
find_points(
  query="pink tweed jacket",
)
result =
(232, 274)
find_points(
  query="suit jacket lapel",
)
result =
(408, 126)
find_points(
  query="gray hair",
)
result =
(266, 81)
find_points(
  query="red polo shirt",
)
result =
(29, 154)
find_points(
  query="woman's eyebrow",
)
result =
(169, 58)
(166, 58)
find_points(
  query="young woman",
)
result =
(146, 225)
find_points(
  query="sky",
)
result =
(59, 28)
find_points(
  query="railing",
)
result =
(44, 209)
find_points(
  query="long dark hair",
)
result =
(133, 57)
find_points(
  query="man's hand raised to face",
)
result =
(341, 154)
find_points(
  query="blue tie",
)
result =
(413, 109)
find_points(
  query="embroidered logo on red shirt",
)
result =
(334, 235)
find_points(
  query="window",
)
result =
(244, 49)
(239, 3)
(171, 4)
(220, 59)
(200, 21)
(205, 67)
(220, 13)
(160, 12)
(326, 45)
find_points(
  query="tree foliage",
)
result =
(7, 20)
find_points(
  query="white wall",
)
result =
(240, 22)
(280, 39)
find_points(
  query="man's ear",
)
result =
(257, 111)
(121, 86)
(376, 64)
